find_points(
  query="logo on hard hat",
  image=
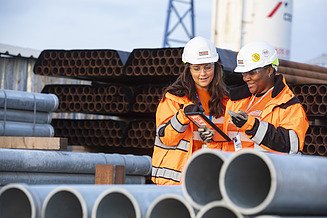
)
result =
(265, 52)
(255, 57)
(202, 53)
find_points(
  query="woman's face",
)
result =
(258, 80)
(202, 74)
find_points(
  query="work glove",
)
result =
(191, 108)
(239, 119)
(205, 134)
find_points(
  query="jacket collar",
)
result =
(243, 91)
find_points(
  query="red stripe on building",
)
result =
(275, 9)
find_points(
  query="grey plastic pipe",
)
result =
(34, 178)
(69, 162)
(200, 180)
(25, 116)
(218, 209)
(170, 205)
(23, 201)
(102, 200)
(28, 100)
(25, 129)
(130, 200)
(254, 182)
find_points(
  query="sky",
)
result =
(129, 24)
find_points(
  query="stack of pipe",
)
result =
(153, 69)
(91, 132)
(81, 63)
(147, 99)
(58, 167)
(161, 64)
(316, 141)
(155, 62)
(250, 183)
(244, 184)
(300, 73)
(26, 113)
(141, 134)
(106, 99)
(313, 98)
(96, 201)
(138, 133)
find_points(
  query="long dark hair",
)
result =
(185, 86)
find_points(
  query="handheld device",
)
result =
(200, 119)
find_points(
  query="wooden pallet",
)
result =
(41, 143)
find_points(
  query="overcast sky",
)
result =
(129, 24)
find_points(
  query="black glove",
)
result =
(205, 134)
(191, 108)
(239, 119)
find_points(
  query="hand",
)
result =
(205, 134)
(191, 108)
(239, 119)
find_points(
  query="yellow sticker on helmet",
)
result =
(255, 57)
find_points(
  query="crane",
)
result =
(179, 22)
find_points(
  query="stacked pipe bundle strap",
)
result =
(26, 113)
(84, 64)
(254, 182)
(42, 167)
(99, 201)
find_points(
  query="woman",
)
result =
(264, 113)
(201, 83)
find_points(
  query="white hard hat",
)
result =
(255, 55)
(199, 50)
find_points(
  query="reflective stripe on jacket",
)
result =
(176, 139)
(280, 127)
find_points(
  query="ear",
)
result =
(270, 72)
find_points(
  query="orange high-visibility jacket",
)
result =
(176, 139)
(276, 123)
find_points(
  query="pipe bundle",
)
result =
(161, 64)
(106, 99)
(138, 133)
(154, 62)
(131, 84)
(81, 63)
(96, 201)
(247, 183)
(316, 141)
(313, 98)
(250, 183)
(58, 167)
(300, 73)
(26, 113)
